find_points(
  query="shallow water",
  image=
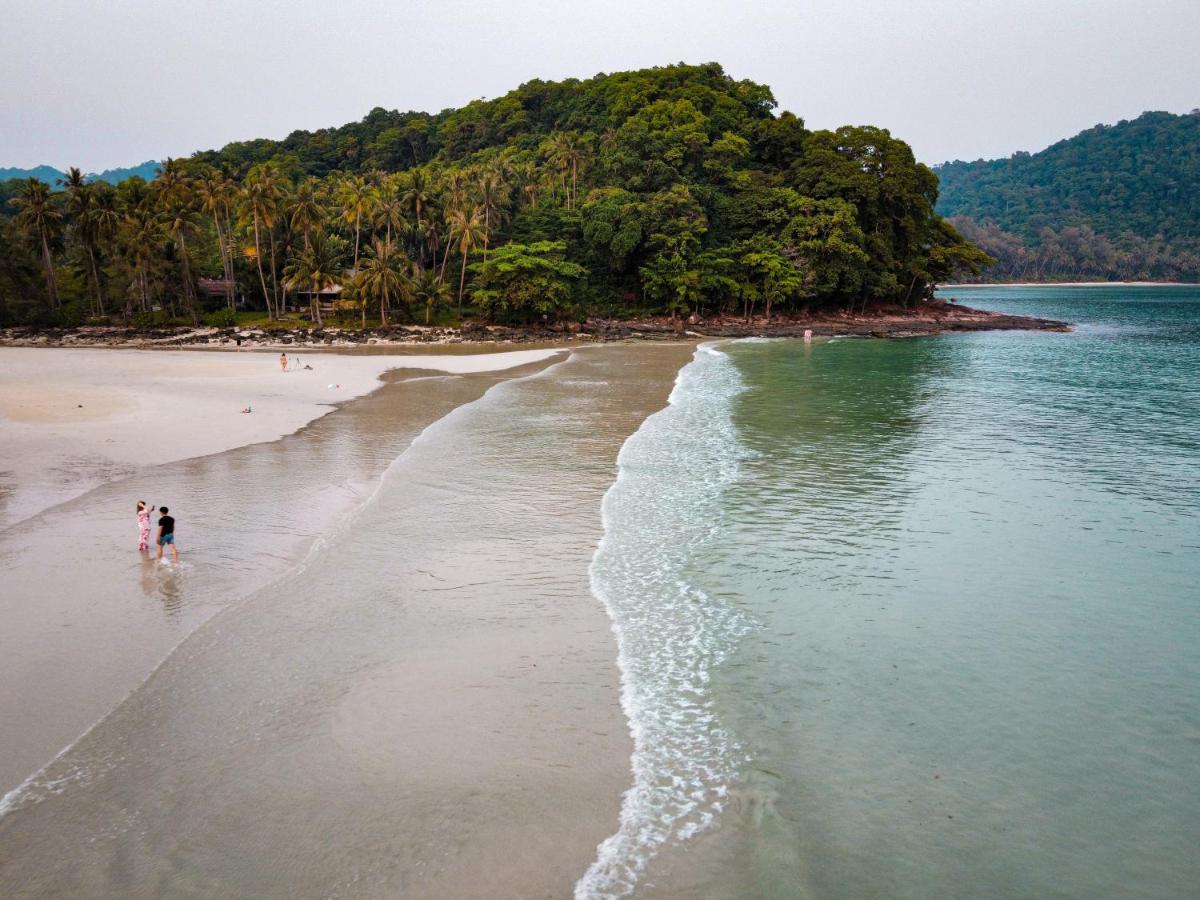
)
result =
(425, 708)
(967, 568)
(86, 618)
(895, 618)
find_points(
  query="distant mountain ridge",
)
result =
(51, 176)
(1114, 202)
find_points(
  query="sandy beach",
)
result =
(73, 419)
(380, 664)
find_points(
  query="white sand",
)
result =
(74, 418)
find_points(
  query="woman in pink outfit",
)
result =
(143, 514)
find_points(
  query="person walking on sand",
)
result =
(283, 361)
(166, 534)
(143, 514)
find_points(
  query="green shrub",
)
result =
(72, 314)
(156, 318)
(221, 318)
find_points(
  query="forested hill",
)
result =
(1115, 201)
(666, 190)
(54, 177)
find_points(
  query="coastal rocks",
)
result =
(929, 317)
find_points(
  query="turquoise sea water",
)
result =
(917, 618)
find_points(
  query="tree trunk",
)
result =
(907, 296)
(96, 278)
(574, 181)
(357, 230)
(487, 214)
(428, 311)
(226, 262)
(261, 276)
(275, 275)
(189, 299)
(48, 262)
(445, 259)
(462, 278)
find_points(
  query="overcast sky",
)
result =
(113, 83)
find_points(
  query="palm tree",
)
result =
(261, 198)
(567, 150)
(105, 220)
(318, 267)
(216, 192)
(416, 195)
(467, 227)
(415, 198)
(357, 198)
(177, 199)
(528, 177)
(430, 231)
(458, 186)
(41, 222)
(389, 215)
(139, 236)
(307, 214)
(82, 207)
(429, 290)
(492, 191)
(381, 278)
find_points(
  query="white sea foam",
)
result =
(660, 518)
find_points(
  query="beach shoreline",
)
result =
(75, 420)
(926, 318)
(500, 705)
(215, 492)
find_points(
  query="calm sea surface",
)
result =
(917, 618)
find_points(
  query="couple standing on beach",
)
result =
(166, 530)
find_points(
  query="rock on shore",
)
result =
(930, 317)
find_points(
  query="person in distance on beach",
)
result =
(283, 361)
(166, 534)
(143, 516)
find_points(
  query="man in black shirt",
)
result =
(166, 534)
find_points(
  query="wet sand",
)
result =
(428, 706)
(71, 419)
(86, 617)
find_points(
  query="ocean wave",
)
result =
(661, 517)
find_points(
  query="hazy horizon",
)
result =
(110, 88)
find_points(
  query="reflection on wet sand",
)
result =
(76, 638)
(428, 706)
(164, 581)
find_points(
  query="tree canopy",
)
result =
(1115, 201)
(655, 191)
